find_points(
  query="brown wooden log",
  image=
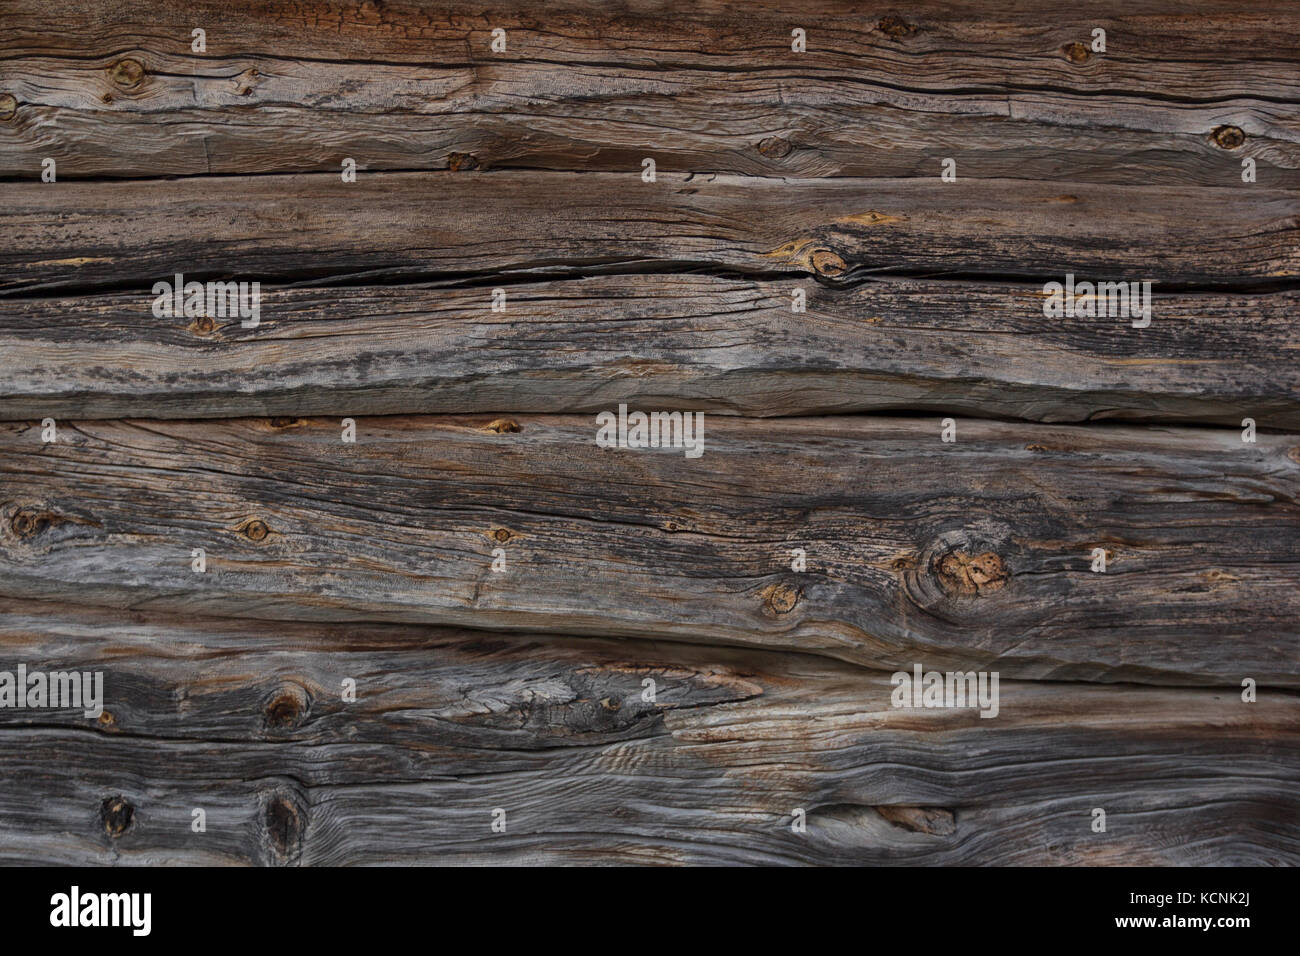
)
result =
(466, 225)
(1160, 48)
(795, 116)
(976, 554)
(247, 722)
(721, 344)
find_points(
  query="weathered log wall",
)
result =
(449, 725)
(401, 525)
(726, 345)
(129, 438)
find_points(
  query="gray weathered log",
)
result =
(247, 722)
(976, 553)
(1211, 51)
(191, 115)
(728, 345)
(390, 226)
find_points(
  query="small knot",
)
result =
(203, 325)
(1229, 137)
(500, 535)
(779, 599)
(827, 263)
(246, 82)
(1294, 454)
(1219, 576)
(117, 815)
(895, 27)
(255, 529)
(281, 422)
(774, 147)
(107, 721)
(905, 562)
(1035, 447)
(288, 708)
(961, 574)
(503, 425)
(8, 106)
(610, 704)
(126, 73)
(1076, 52)
(936, 821)
(462, 161)
(284, 825)
(28, 524)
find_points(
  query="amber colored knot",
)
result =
(959, 573)
(1076, 52)
(8, 106)
(827, 263)
(285, 422)
(126, 73)
(255, 529)
(774, 147)
(28, 524)
(287, 708)
(459, 161)
(895, 27)
(117, 815)
(779, 598)
(934, 820)
(501, 535)
(1229, 137)
(503, 425)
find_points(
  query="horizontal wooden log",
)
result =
(729, 345)
(193, 115)
(976, 554)
(248, 724)
(1210, 51)
(402, 225)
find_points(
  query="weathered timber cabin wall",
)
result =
(357, 574)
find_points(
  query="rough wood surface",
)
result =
(776, 170)
(246, 722)
(729, 345)
(401, 525)
(471, 224)
(1008, 91)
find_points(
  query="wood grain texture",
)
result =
(475, 434)
(1164, 47)
(193, 116)
(400, 526)
(729, 345)
(1009, 91)
(473, 224)
(247, 722)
